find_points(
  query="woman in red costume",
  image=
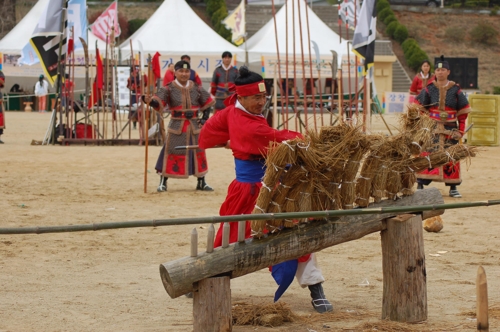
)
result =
(422, 79)
(242, 128)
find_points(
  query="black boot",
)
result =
(420, 186)
(163, 184)
(454, 192)
(202, 185)
(319, 301)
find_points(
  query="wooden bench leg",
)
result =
(212, 305)
(403, 264)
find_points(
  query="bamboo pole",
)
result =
(311, 73)
(298, 127)
(242, 217)
(146, 133)
(279, 69)
(304, 69)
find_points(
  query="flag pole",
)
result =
(59, 69)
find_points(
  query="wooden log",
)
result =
(241, 231)
(482, 300)
(212, 305)
(252, 255)
(403, 265)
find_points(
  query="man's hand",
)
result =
(153, 103)
(456, 134)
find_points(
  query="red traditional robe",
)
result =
(249, 137)
(449, 107)
(183, 129)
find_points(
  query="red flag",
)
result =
(104, 23)
(70, 46)
(156, 65)
(99, 76)
(99, 80)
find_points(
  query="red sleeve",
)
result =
(197, 79)
(251, 135)
(215, 131)
(165, 78)
(414, 85)
(213, 88)
(260, 137)
(461, 122)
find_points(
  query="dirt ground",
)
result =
(109, 280)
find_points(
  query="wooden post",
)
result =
(212, 305)
(482, 300)
(403, 265)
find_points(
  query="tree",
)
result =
(8, 17)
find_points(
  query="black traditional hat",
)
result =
(442, 63)
(182, 64)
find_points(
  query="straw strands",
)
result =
(342, 168)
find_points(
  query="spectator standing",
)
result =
(41, 91)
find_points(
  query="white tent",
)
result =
(20, 35)
(263, 43)
(175, 29)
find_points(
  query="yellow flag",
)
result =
(235, 21)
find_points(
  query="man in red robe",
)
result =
(242, 128)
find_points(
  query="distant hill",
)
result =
(449, 34)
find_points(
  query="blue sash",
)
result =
(249, 171)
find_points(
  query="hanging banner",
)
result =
(270, 65)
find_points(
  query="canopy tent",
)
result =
(263, 43)
(175, 29)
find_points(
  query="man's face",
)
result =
(171, 67)
(254, 104)
(182, 75)
(442, 73)
(226, 60)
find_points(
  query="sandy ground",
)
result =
(109, 280)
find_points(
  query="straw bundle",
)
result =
(419, 126)
(348, 188)
(440, 158)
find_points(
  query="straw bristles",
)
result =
(342, 168)
(262, 314)
(439, 158)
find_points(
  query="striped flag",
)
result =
(46, 38)
(105, 23)
(236, 23)
(363, 42)
(347, 10)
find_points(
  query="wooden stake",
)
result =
(194, 242)
(241, 231)
(225, 235)
(482, 300)
(210, 238)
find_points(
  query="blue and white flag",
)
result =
(363, 42)
(48, 27)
